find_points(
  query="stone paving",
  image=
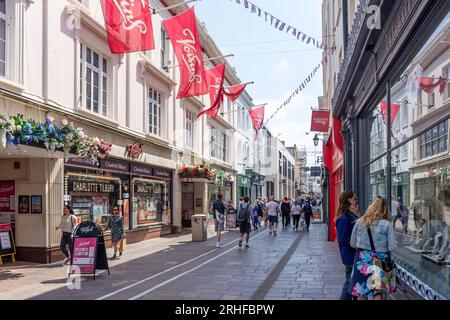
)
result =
(175, 268)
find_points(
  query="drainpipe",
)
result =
(345, 22)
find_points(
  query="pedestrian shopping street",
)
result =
(293, 265)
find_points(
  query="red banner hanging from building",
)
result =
(235, 91)
(182, 31)
(215, 78)
(257, 116)
(320, 121)
(394, 111)
(128, 25)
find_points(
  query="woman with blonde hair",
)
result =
(373, 273)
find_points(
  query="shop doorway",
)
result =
(187, 204)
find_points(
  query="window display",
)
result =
(92, 197)
(150, 201)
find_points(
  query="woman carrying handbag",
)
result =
(117, 231)
(374, 273)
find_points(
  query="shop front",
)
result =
(141, 192)
(334, 163)
(398, 129)
(244, 185)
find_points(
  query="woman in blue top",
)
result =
(373, 237)
(346, 217)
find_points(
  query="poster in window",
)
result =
(7, 195)
(24, 204)
(36, 204)
(5, 241)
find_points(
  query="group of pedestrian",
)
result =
(365, 244)
(68, 223)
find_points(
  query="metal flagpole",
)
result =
(260, 105)
(204, 60)
(155, 11)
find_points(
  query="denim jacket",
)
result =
(344, 226)
(382, 234)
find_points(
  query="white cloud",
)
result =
(281, 67)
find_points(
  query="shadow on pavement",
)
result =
(8, 275)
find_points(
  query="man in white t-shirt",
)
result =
(272, 211)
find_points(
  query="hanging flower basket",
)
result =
(201, 171)
(15, 130)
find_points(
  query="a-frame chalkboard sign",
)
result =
(89, 250)
(7, 245)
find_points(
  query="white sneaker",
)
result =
(218, 244)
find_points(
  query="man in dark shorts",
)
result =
(244, 217)
(272, 211)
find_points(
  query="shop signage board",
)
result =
(84, 253)
(142, 170)
(81, 162)
(7, 195)
(317, 213)
(115, 165)
(230, 220)
(89, 251)
(7, 246)
(320, 121)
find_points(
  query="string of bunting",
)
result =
(280, 25)
(295, 92)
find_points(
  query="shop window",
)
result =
(150, 202)
(434, 141)
(154, 111)
(376, 180)
(421, 194)
(189, 132)
(377, 128)
(93, 196)
(94, 81)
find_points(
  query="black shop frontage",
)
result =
(142, 192)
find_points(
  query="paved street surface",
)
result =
(291, 266)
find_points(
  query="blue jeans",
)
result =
(345, 294)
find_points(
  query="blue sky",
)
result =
(274, 59)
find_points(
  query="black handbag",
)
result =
(389, 264)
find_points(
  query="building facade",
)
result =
(392, 98)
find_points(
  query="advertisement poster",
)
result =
(5, 242)
(230, 220)
(317, 214)
(36, 204)
(7, 195)
(100, 210)
(84, 251)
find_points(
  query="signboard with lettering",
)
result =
(89, 250)
(80, 186)
(81, 162)
(143, 170)
(7, 246)
(230, 219)
(115, 165)
(7, 196)
(84, 253)
(162, 173)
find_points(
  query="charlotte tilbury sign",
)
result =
(115, 165)
(162, 173)
(142, 170)
(83, 162)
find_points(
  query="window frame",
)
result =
(150, 115)
(7, 18)
(104, 110)
(218, 150)
(189, 123)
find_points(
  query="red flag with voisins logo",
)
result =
(257, 116)
(235, 91)
(320, 121)
(182, 31)
(395, 108)
(215, 78)
(128, 25)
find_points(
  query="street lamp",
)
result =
(316, 140)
